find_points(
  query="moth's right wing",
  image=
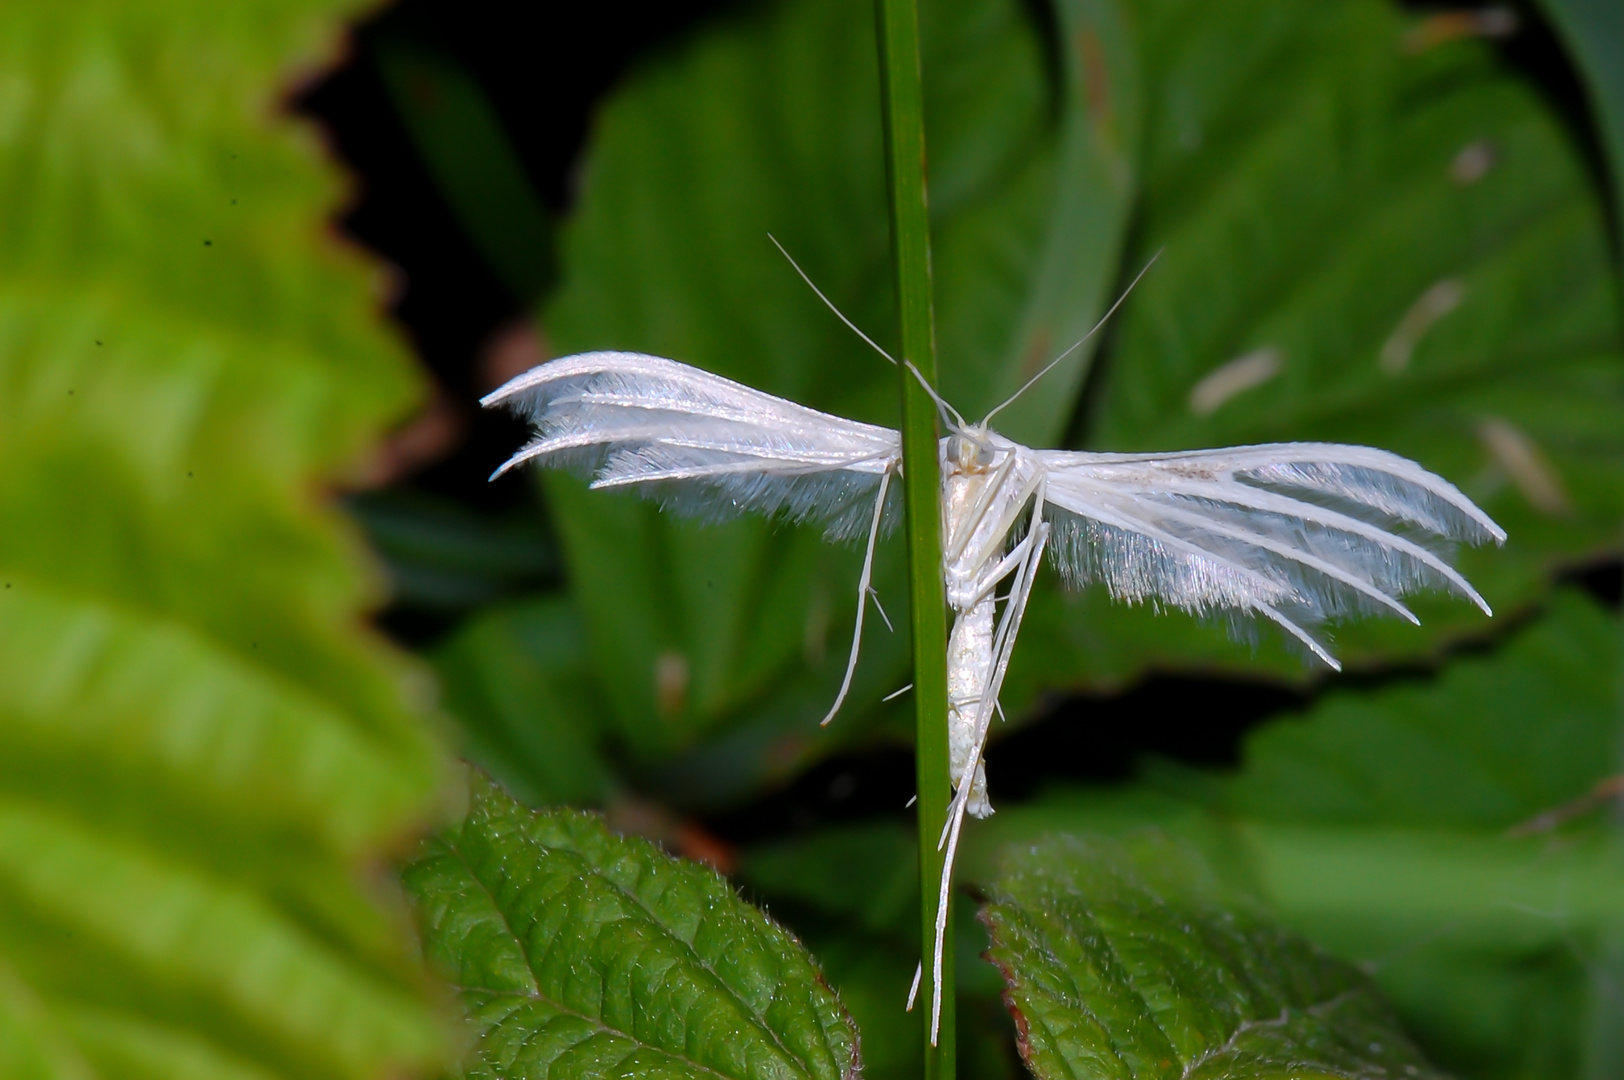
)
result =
(1295, 532)
(698, 442)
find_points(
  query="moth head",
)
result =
(969, 450)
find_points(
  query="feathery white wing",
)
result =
(699, 442)
(1295, 532)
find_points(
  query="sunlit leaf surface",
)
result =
(202, 757)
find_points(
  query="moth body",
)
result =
(986, 486)
(969, 665)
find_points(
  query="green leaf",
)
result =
(1593, 31)
(817, 869)
(576, 952)
(203, 760)
(461, 141)
(1379, 825)
(1500, 953)
(725, 642)
(445, 559)
(518, 680)
(1491, 742)
(1127, 960)
(1392, 245)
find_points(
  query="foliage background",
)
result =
(1380, 224)
(1396, 222)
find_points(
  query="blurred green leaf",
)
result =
(1313, 175)
(518, 679)
(1126, 960)
(817, 869)
(1490, 742)
(443, 557)
(1495, 950)
(1379, 826)
(203, 760)
(461, 142)
(577, 952)
(726, 640)
(1593, 31)
(1367, 241)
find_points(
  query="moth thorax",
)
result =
(960, 493)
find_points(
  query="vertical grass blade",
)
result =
(903, 103)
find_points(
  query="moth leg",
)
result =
(1004, 645)
(955, 819)
(1004, 567)
(1014, 611)
(862, 598)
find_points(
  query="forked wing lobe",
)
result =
(698, 442)
(1295, 532)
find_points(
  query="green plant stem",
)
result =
(903, 101)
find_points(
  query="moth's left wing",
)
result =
(698, 442)
(1294, 532)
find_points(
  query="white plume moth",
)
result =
(1292, 532)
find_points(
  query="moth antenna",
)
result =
(1078, 343)
(827, 302)
(950, 416)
